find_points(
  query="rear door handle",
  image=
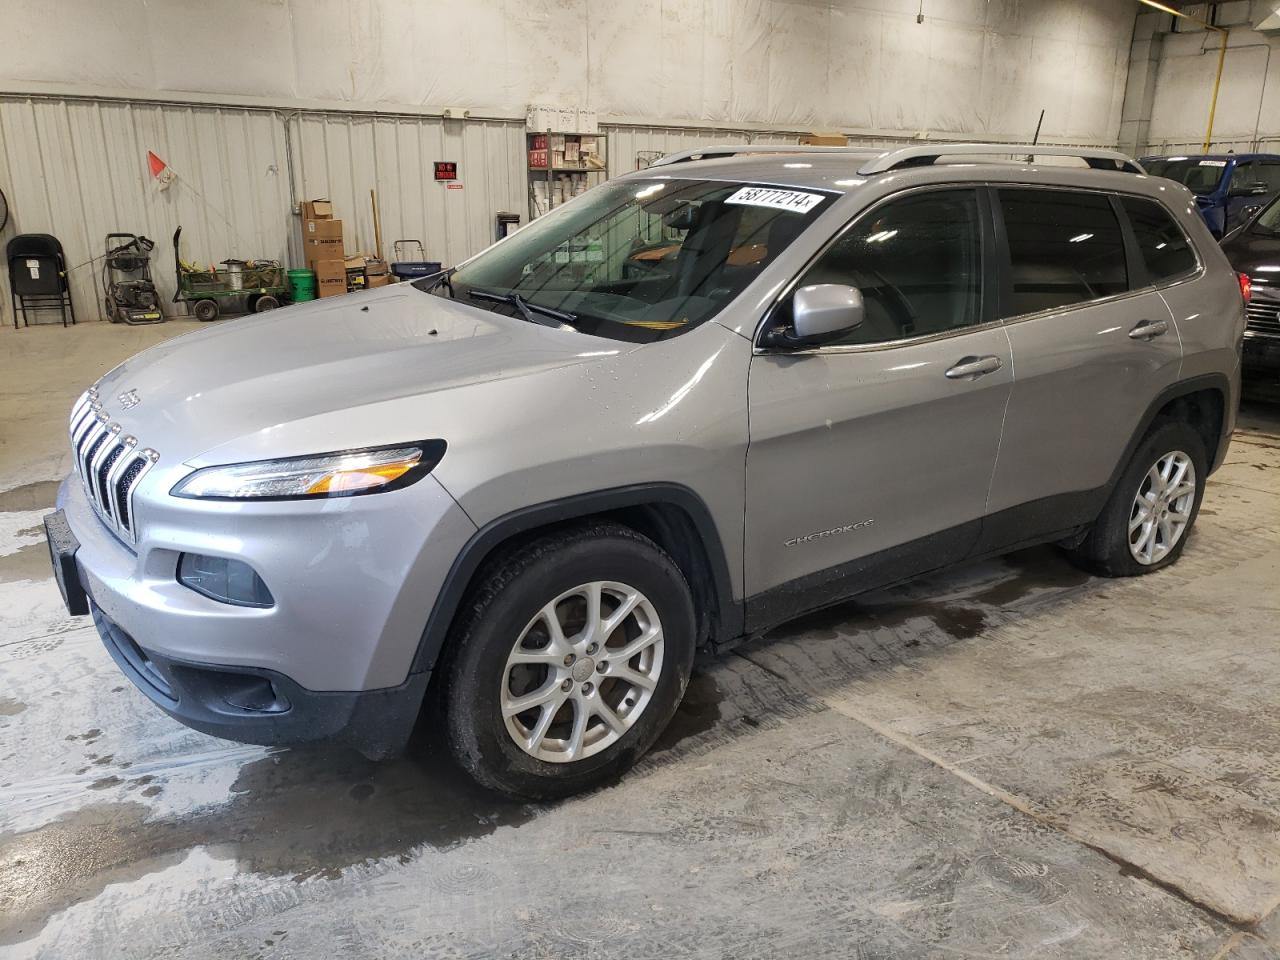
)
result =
(1149, 330)
(971, 368)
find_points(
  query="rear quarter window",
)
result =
(1166, 251)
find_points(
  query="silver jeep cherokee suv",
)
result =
(698, 401)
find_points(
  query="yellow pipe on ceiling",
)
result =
(1222, 60)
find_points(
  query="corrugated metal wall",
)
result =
(343, 157)
(78, 169)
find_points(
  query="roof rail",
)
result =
(922, 155)
(740, 149)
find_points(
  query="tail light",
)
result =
(1246, 287)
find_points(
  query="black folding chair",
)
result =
(38, 276)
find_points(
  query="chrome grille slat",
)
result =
(136, 468)
(109, 465)
(94, 439)
(113, 477)
(78, 431)
(1263, 315)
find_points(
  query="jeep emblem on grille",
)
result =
(129, 399)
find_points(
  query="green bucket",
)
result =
(302, 285)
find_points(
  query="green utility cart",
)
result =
(260, 283)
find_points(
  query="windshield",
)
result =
(638, 260)
(1201, 177)
(1267, 223)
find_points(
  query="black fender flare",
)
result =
(496, 532)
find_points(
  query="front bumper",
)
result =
(1261, 356)
(353, 580)
(262, 706)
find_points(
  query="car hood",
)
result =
(258, 374)
(1256, 255)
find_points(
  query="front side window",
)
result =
(917, 262)
(1268, 172)
(1165, 248)
(1065, 247)
(1244, 176)
(638, 260)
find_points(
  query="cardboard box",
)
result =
(322, 229)
(818, 140)
(381, 280)
(538, 141)
(317, 210)
(331, 277)
(542, 116)
(319, 250)
(356, 261)
(330, 271)
(537, 159)
(373, 267)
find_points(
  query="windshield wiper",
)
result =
(526, 308)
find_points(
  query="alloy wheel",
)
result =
(582, 671)
(1161, 510)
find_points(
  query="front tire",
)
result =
(1149, 515)
(569, 661)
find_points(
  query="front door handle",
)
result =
(971, 368)
(1149, 330)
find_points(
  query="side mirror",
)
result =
(820, 313)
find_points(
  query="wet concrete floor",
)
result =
(1011, 759)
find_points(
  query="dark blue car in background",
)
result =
(1229, 187)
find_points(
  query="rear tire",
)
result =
(1150, 513)
(595, 707)
(206, 310)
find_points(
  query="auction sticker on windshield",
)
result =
(796, 201)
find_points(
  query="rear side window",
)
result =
(1065, 247)
(1165, 248)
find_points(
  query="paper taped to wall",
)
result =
(796, 201)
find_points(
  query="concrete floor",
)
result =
(1011, 760)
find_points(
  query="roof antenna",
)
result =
(1036, 139)
(920, 15)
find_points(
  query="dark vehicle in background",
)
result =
(1254, 250)
(1229, 187)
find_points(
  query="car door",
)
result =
(1249, 196)
(1093, 346)
(870, 458)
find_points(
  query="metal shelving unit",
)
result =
(549, 174)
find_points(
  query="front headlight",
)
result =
(345, 473)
